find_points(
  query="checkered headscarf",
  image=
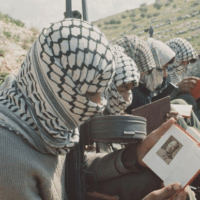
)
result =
(67, 60)
(126, 72)
(139, 51)
(184, 52)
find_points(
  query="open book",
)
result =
(175, 157)
(183, 110)
(196, 91)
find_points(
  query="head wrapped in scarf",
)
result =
(162, 54)
(139, 51)
(67, 60)
(184, 52)
(126, 72)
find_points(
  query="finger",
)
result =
(153, 137)
(174, 116)
(191, 83)
(183, 195)
(164, 193)
(173, 112)
(191, 78)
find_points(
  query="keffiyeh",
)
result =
(138, 50)
(184, 52)
(162, 54)
(67, 60)
(126, 72)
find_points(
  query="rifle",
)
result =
(76, 186)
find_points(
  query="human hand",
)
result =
(144, 147)
(187, 84)
(172, 114)
(168, 192)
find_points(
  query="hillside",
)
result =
(15, 40)
(169, 18)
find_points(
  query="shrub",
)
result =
(167, 4)
(156, 14)
(142, 15)
(157, 5)
(112, 21)
(149, 15)
(16, 38)
(132, 15)
(99, 25)
(2, 52)
(174, 6)
(7, 33)
(143, 7)
(179, 18)
(134, 26)
(124, 16)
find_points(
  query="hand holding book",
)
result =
(152, 139)
(168, 192)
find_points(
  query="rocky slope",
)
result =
(14, 43)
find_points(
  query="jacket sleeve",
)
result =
(106, 166)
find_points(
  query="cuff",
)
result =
(129, 159)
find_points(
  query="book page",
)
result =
(168, 152)
(183, 110)
(186, 169)
(194, 133)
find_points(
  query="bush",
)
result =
(99, 25)
(7, 33)
(123, 16)
(143, 7)
(174, 6)
(134, 26)
(149, 15)
(157, 5)
(112, 21)
(170, 0)
(6, 18)
(179, 18)
(16, 38)
(142, 15)
(167, 4)
(132, 15)
(2, 52)
(156, 14)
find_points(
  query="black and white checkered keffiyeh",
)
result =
(184, 52)
(67, 60)
(139, 51)
(162, 54)
(126, 72)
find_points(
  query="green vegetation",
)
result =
(2, 51)
(171, 19)
(7, 33)
(7, 19)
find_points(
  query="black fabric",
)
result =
(141, 96)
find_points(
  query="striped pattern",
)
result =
(139, 51)
(126, 72)
(184, 52)
(67, 60)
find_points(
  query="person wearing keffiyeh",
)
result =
(58, 87)
(119, 97)
(185, 54)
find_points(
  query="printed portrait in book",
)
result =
(169, 149)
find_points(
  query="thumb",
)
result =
(164, 193)
(152, 138)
